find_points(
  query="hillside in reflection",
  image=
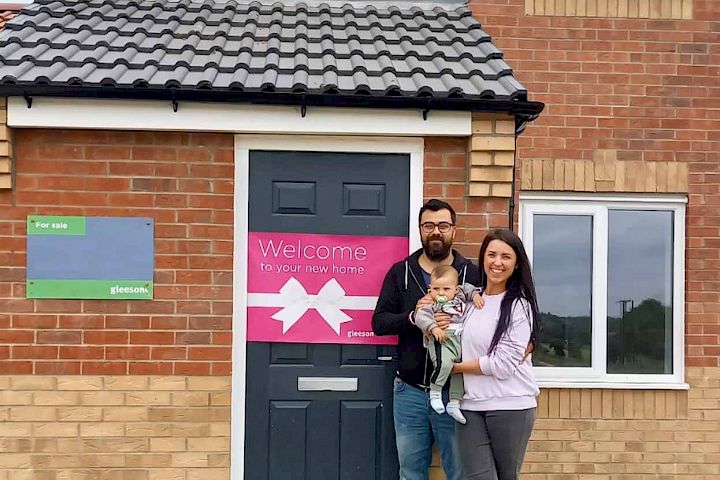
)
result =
(639, 341)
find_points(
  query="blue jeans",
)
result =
(416, 426)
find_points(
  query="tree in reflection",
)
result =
(637, 339)
(564, 341)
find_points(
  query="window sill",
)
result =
(614, 385)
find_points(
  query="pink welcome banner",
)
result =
(310, 288)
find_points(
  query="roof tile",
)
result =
(254, 47)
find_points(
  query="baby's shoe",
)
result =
(436, 402)
(453, 409)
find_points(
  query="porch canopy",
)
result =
(384, 54)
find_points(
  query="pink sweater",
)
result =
(507, 382)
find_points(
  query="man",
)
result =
(404, 289)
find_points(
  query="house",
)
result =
(284, 149)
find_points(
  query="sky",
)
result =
(639, 260)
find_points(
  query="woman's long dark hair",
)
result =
(519, 286)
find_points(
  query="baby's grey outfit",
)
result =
(445, 354)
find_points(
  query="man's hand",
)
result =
(442, 319)
(439, 334)
(426, 300)
(477, 300)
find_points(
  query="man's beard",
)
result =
(436, 251)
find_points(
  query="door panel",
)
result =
(361, 423)
(323, 435)
(288, 445)
(334, 193)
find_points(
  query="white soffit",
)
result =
(49, 112)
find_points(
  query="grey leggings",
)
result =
(492, 444)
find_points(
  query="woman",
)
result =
(500, 387)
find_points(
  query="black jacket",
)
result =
(403, 286)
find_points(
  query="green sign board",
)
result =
(108, 258)
(43, 225)
(90, 289)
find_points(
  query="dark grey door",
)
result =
(294, 434)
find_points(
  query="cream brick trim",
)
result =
(491, 156)
(604, 174)
(114, 427)
(660, 9)
(5, 149)
(177, 428)
(613, 404)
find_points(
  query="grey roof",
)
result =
(142, 45)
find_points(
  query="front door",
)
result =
(322, 411)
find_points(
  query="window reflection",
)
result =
(562, 268)
(639, 291)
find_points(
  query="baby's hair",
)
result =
(444, 271)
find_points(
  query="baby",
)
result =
(444, 345)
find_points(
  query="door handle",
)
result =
(327, 384)
(386, 358)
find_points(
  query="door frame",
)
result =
(412, 146)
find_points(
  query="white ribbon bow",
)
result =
(329, 302)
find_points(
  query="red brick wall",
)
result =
(183, 181)
(445, 178)
(648, 89)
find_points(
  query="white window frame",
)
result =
(597, 206)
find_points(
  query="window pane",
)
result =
(562, 268)
(640, 259)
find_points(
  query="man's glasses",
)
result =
(429, 227)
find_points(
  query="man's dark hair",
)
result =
(435, 205)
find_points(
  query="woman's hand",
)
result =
(528, 350)
(467, 366)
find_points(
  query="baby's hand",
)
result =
(439, 334)
(478, 301)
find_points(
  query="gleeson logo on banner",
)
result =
(312, 288)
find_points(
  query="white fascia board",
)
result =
(156, 115)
